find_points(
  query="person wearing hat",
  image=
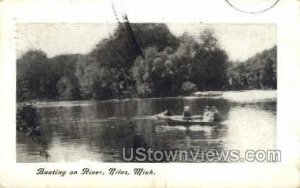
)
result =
(208, 115)
(186, 113)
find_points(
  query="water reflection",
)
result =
(97, 131)
(252, 127)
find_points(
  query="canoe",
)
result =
(207, 94)
(161, 116)
(178, 120)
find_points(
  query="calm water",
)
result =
(97, 131)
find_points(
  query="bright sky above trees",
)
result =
(240, 41)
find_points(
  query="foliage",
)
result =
(258, 72)
(34, 76)
(202, 63)
(171, 66)
(27, 117)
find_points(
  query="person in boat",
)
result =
(208, 114)
(168, 112)
(186, 113)
(216, 113)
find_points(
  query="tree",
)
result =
(116, 55)
(66, 82)
(257, 72)
(165, 73)
(170, 66)
(203, 62)
(208, 40)
(33, 76)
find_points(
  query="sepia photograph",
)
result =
(145, 92)
(103, 93)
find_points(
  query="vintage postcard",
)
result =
(150, 93)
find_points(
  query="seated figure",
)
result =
(208, 115)
(186, 113)
(168, 112)
(216, 113)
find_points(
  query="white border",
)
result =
(286, 14)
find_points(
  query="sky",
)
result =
(240, 41)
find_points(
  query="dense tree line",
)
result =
(194, 64)
(169, 66)
(258, 72)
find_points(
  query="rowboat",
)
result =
(207, 94)
(179, 120)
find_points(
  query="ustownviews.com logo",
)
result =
(202, 155)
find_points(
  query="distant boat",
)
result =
(179, 120)
(207, 93)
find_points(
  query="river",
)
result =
(98, 130)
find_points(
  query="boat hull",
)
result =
(207, 94)
(178, 120)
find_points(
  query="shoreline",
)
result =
(235, 96)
